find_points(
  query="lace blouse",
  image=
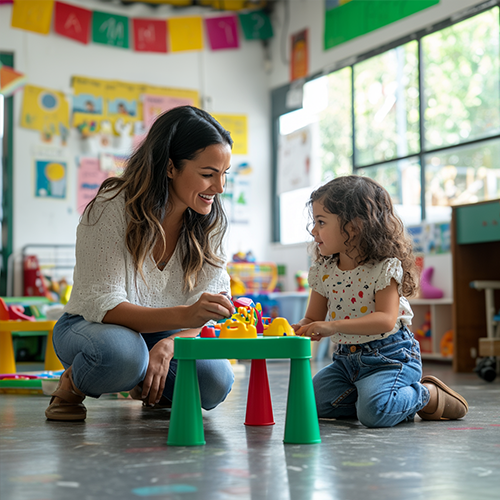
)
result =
(104, 274)
(351, 294)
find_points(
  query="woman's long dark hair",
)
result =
(380, 233)
(178, 135)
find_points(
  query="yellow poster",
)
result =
(237, 125)
(88, 104)
(32, 15)
(186, 33)
(122, 102)
(45, 110)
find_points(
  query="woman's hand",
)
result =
(317, 330)
(210, 306)
(156, 375)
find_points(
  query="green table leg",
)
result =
(301, 426)
(186, 421)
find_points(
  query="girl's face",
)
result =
(196, 185)
(327, 231)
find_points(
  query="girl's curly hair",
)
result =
(367, 206)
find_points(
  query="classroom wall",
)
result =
(310, 14)
(229, 81)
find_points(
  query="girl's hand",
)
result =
(297, 326)
(317, 330)
(210, 306)
(156, 375)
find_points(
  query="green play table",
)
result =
(186, 423)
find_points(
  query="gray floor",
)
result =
(121, 452)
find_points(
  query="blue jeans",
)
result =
(111, 358)
(377, 382)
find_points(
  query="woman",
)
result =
(149, 267)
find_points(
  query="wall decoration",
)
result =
(155, 105)
(150, 35)
(110, 29)
(186, 33)
(222, 32)
(346, 21)
(237, 125)
(299, 61)
(72, 22)
(10, 80)
(256, 25)
(50, 179)
(90, 177)
(32, 15)
(88, 104)
(43, 110)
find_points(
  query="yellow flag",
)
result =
(186, 33)
(32, 15)
(238, 128)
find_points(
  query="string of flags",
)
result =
(139, 34)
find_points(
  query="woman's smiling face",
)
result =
(200, 179)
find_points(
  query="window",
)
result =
(422, 118)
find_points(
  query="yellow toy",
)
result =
(237, 330)
(278, 328)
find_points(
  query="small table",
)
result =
(186, 423)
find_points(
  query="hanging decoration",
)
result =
(299, 65)
(175, 34)
(10, 80)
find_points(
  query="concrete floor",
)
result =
(121, 452)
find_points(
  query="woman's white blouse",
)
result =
(104, 274)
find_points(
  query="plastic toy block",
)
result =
(237, 330)
(243, 302)
(259, 405)
(207, 332)
(279, 327)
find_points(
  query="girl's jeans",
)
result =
(111, 358)
(377, 382)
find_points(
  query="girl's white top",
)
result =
(351, 294)
(104, 274)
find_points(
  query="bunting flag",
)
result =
(222, 32)
(10, 80)
(185, 33)
(150, 35)
(32, 15)
(110, 29)
(72, 22)
(256, 25)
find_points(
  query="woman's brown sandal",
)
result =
(66, 404)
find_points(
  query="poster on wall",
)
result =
(89, 178)
(299, 61)
(50, 178)
(88, 103)
(294, 160)
(237, 125)
(347, 20)
(45, 110)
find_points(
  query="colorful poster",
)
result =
(186, 33)
(122, 102)
(50, 179)
(72, 22)
(155, 105)
(237, 125)
(299, 64)
(256, 25)
(110, 29)
(222, 32)
(150, 35)
(44, 110)
(88, 104)
(33, 15)
(90, 177)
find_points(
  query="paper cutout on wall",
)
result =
(299, 61)
(122, 101)
(90, 177)
(222, 32)
(32, 15)
(295, 160)
(10, 80)
(72, 22)
(237, 125)
(110, 29)
(256, 25)
(155, 105)
(50, 179)
(150, 35)
(88, 104)
(186, 33)
(44, 109)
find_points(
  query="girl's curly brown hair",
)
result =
(367, 206)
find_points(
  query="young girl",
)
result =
(363, 271)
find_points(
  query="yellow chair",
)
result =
(7, 358)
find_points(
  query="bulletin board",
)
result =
(358, 17)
